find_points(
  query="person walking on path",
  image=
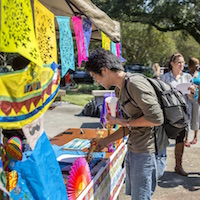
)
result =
(193, 65)
(156, 69)
(174, 77)
(139, 119)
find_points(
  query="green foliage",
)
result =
(165, 15)
(186, 45)
(87, 88)
(145, 45)
(142, 43)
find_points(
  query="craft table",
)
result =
(107, 183)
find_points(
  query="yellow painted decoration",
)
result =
(105, 41)
(17, 30)
(12, 178)
(45, 33)
(26, 94)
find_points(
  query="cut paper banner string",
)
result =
(105, 41)
(120, 56)
(45, 33)
(27, 94)
(17, 33)
(66, 45)
(33, 131)
(113, 48)
(87, 30)
(78, 29)
(118, 49)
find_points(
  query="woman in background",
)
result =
(193, 65)
(156, 69)
(174, 77)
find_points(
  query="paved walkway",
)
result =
(171, 186)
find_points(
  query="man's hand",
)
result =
(111, 120)
(101, 144)
(115, 120)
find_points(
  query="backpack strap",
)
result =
(130, 99)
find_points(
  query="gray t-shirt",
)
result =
(145, 103)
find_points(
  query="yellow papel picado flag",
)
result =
(45, 33)
(17, 33)
(105, 41)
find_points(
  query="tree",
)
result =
(143, 44)
(165, 15)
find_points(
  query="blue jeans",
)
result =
(141, 175)
(161, 160)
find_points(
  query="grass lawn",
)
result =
(77, 98)
(81, 95)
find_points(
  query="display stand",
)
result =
(107, 183)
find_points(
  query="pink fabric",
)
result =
(118, 49)
(78, 29)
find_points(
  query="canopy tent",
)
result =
(100, 20)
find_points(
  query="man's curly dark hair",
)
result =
(101, 58)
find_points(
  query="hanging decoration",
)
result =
(78, 29)
(120, 56)
(66, 45)
(33, 131)
(87, 30)
(79, 178)
(113, 48)
(12, 178)
(17, 30)
(118, 49)
(15, 141)
(45, 33)
(105, 41)
(27, 94)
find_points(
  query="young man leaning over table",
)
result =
(139, 119)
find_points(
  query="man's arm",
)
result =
(120, 133)
(140, 122)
